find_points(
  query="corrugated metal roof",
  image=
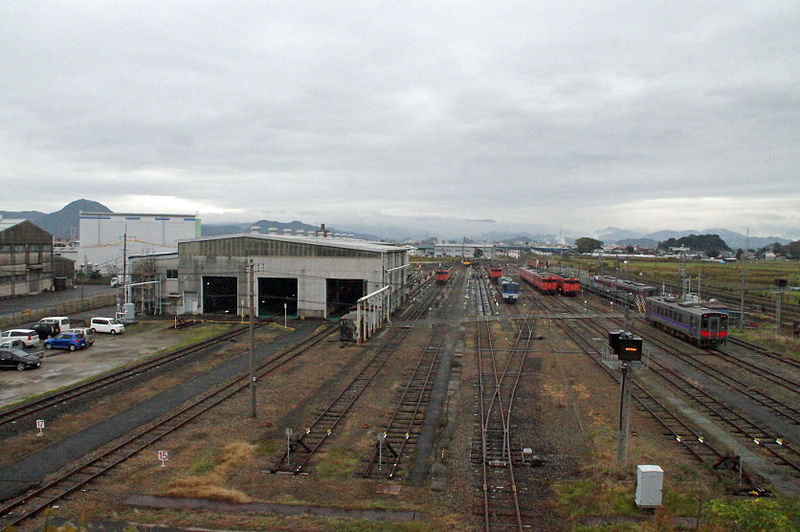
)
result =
(8, 223)
(137, 214)
(344, 243)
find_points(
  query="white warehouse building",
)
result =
(487, 251)
(105, 237)
(305, 276)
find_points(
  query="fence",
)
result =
(64, 308)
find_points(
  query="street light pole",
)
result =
(252, 343)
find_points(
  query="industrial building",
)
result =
(26, 258)
(153, 286)
(464, 250)
(306, 276)
(106, 238)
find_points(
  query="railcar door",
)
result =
(713, 327)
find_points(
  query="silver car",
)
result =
(87, 333)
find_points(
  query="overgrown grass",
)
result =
(268, 447)
(380, 526)
(338, 463)
(789, 345)
(774, 513)
(209, 475)
(203, 465)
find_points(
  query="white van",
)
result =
(106, 325)
(61, 323)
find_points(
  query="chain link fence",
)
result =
(65, 308)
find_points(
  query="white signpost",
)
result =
(163, 456)
(40, 426)
(381, 437)
(288, 444)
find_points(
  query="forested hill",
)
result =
(711, 245)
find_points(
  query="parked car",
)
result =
(44, 330)
(58, 323)
(106, 325)
(66, 340)
(19, 359)
(7, 343)
(29, 337)
(87, 333)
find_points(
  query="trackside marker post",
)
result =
(163, 456)
(40, 426)
(381, 437)
(288, 443)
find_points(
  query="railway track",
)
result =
(493, 453)
(482, 294)
(399, 434)
(693, 440)
(19, 510)
(748, 429)
(61, 400)
(305, 446)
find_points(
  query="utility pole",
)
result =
(624, 421)
(741, 284)
(125, 265)
(252, 342)
(699, 283)
(780, 284)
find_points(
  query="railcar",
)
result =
(568, 286)
(509, 290)
(442, 276)
(699, 323)
(495, 274)
(544, 282)
(615, 284)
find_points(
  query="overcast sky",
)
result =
(566, 116)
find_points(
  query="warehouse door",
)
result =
(219, 295)
(342, 294)
(274, 292)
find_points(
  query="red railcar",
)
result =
(442, 276)
(568, 286)
(544, 282)
(495, 274)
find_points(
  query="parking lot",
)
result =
(61, 367)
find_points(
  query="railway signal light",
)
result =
(626, 346)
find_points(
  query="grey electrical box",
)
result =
(128, 313)
(649, 484)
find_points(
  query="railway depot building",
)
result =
(313, 276)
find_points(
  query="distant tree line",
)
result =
(790, 250)
(711, 245)
(587, 245)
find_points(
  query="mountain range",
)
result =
(64, 223)
(627, 237)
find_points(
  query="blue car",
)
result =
(71, 341)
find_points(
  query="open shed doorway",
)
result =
(273, 292)
(343, 294)
(219, 295)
